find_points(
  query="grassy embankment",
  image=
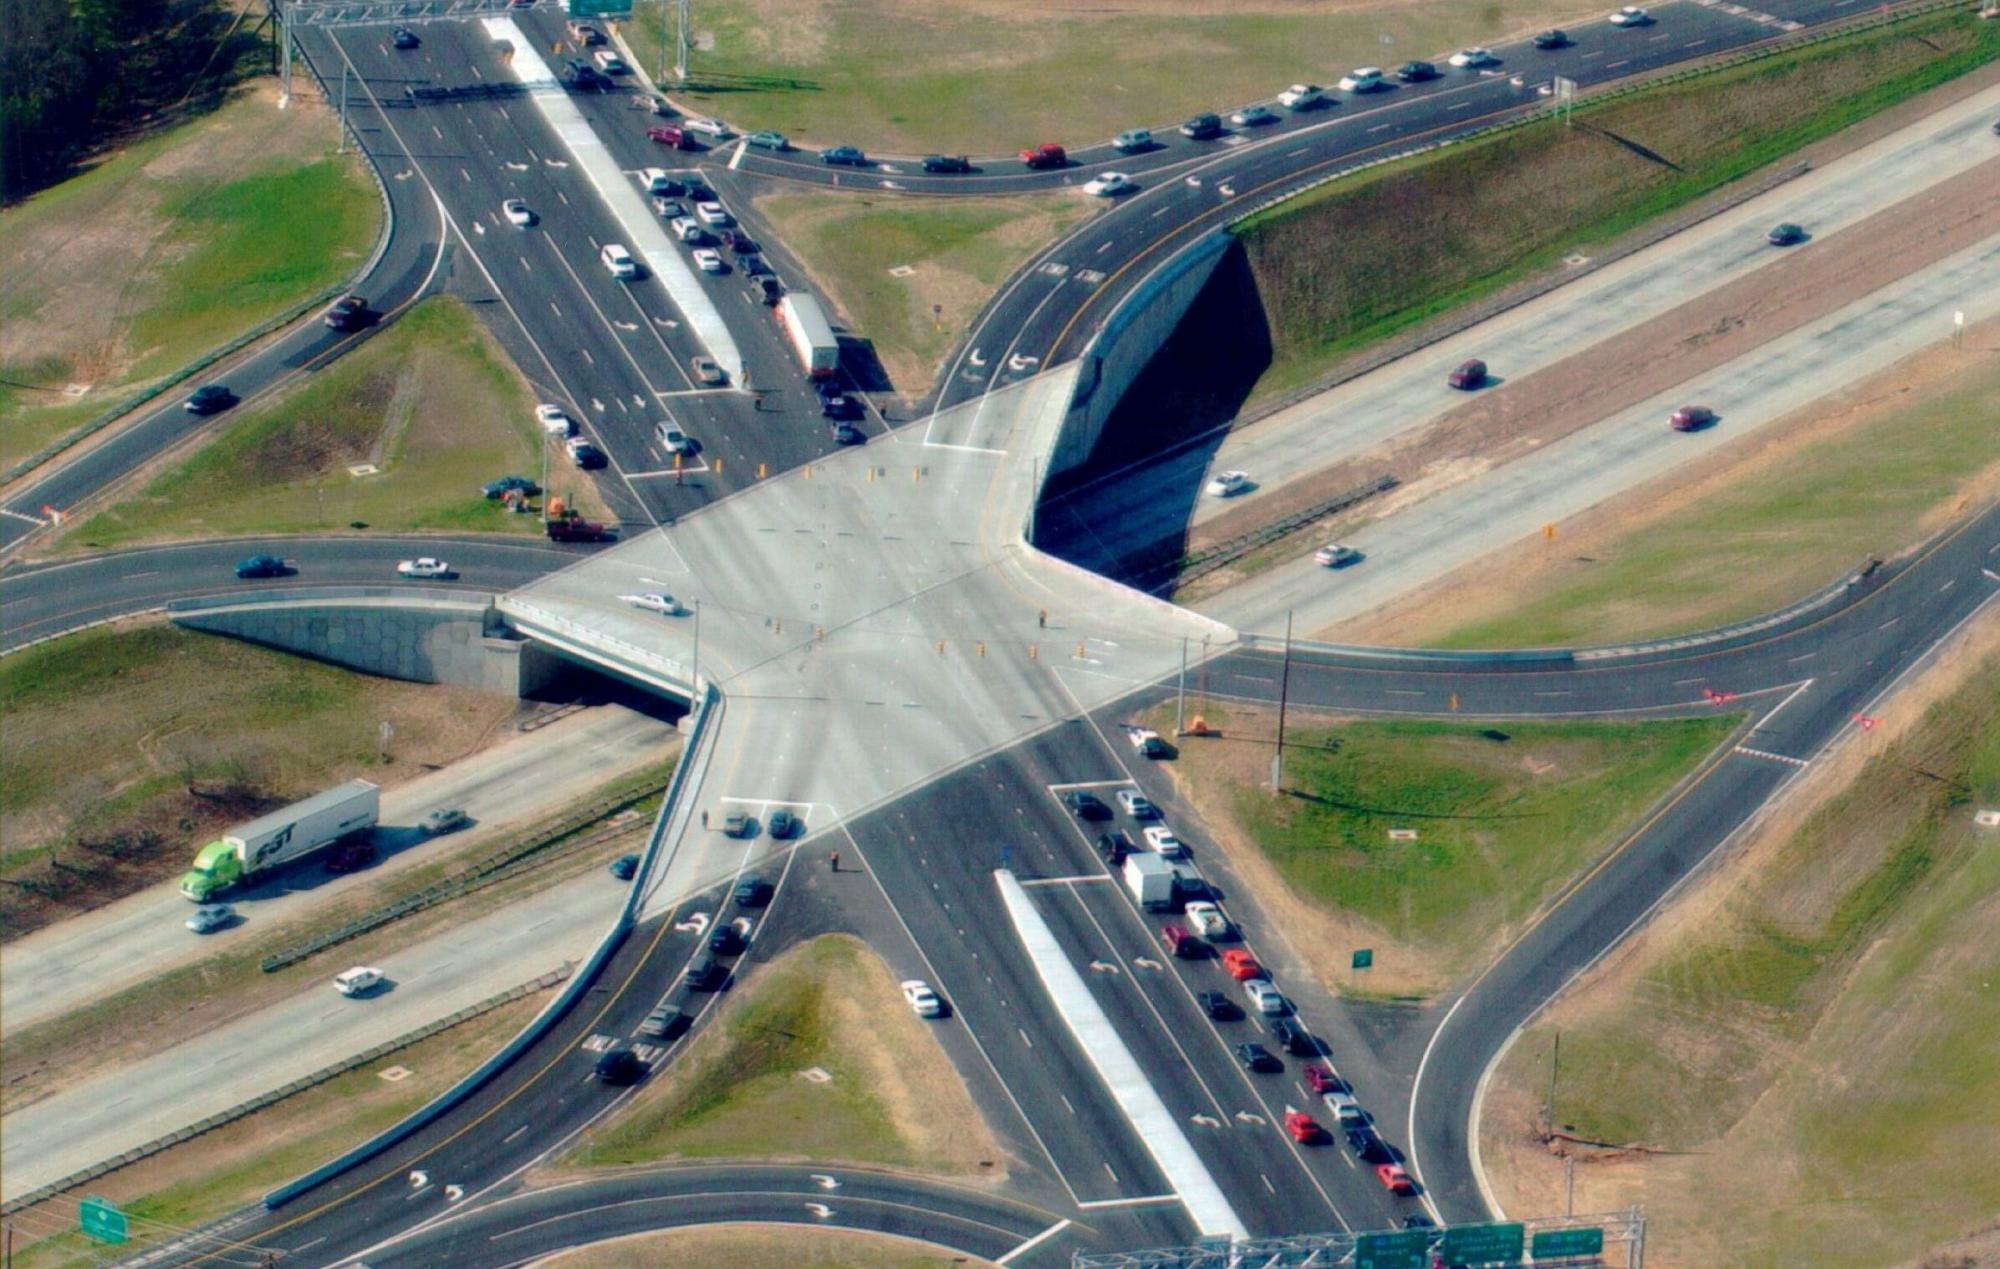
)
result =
(957, 254)
(749, 1247)
(1435, 232)
(742, 1090)
(231, 1167)
(1869, 473)
(432, 403)
(166, 249)
(1808, 1037)
(984, 77)
(1503, 816)
(125, 745)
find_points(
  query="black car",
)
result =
(1417, 1220)
(588, 456)
(765, 290)
(1114, 846)
(1218, 1005)
(753, 264)
(839, 406)
(620, 1066)
(1416, 72)
(1785, 235)
(847, 154)
(664, 1023)
(1086, 805)
(582, 77)
(706, 974)
(262, 566)
(947, 163)
(783, 824)
(827, 388)
(404, 38)
(209, 398)
(1552, 39)
(847, 434)
(752, 892)
(1365, 1142)
(726, 941)
(1202, 127)
(1294, 1038)
(739, 243)
(1258, 1059)
(698, 192)
(350, 857)
(506, 484)
(625, 867)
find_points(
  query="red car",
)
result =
(1304, 1128)
(675, 137)
(1469, 375)
(1321, 1080)
(1241, 965)
(1049, 155)
(1691, 418)
(1394, 1179)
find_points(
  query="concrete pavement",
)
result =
(527, 777)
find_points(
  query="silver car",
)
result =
(210, 917)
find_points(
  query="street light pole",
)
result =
(1180, 707)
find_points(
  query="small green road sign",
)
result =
(1400, 1249)
(102, 1221)
(600, 8)
(1364, 957)
(1483, 1244)
(1554, 1244)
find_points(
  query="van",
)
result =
(1468, 375)
(658, 182)
(355, 981)
(619, 262)
(1181, 943)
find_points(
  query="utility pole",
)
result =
(1284, 690)
(681, 43)
(1180, 707)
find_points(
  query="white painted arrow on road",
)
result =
(820, 1210)
(1206, 1121)
(825, 1182)
(1249, 1118)
(1147, 962)
(1103, 967)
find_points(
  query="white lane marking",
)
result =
(1034, 1242)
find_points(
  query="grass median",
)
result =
(815, 1056)
(909, 274)
(1435, 232)
(166, 249)
(1426, 841)
(750, 1247)
(219, 1172)
(1819, 1014)
(125, 745)
(986, 77)
(397, 436)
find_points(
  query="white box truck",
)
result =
(810, 334)
(1151, 880)
(253, 849)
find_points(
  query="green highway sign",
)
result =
(1364, 958)
(1402, 1249)
(1553, 1244)
(600, 8)
(1483, 1244)
(102, 1221)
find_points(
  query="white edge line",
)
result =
(1036, 1241)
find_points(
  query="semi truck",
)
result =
(1152, 881)
(810, 334)
(253, 850)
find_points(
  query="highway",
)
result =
(824, 589)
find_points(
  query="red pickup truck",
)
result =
(574, 528)
(675, 137)
(1049, 155)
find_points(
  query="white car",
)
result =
(1269, 1000)
(1631, 15)
(1205, 919)
(923, 1001)
(210, 917)
(1147, 742)
(655, 179)
(1345, 1110)
(353, 982)
(707, 373)
(424, 566)
(687, 229)
(517, 212)
(1161, 841)
(1472, 57)
(654, 601)
(714, 214)
(1334, 555)
(666, 208)
(554, 420)
(618, 262)
(1253, 116)
(708, 260)
(611, 64)
(1136, 805)
(1302, 96)
(1229, 484)
(672, 439)
(1365, 79)
(701, 125)
(1109, 185)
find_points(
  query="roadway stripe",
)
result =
(1774, 757)
(1036, 1241)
